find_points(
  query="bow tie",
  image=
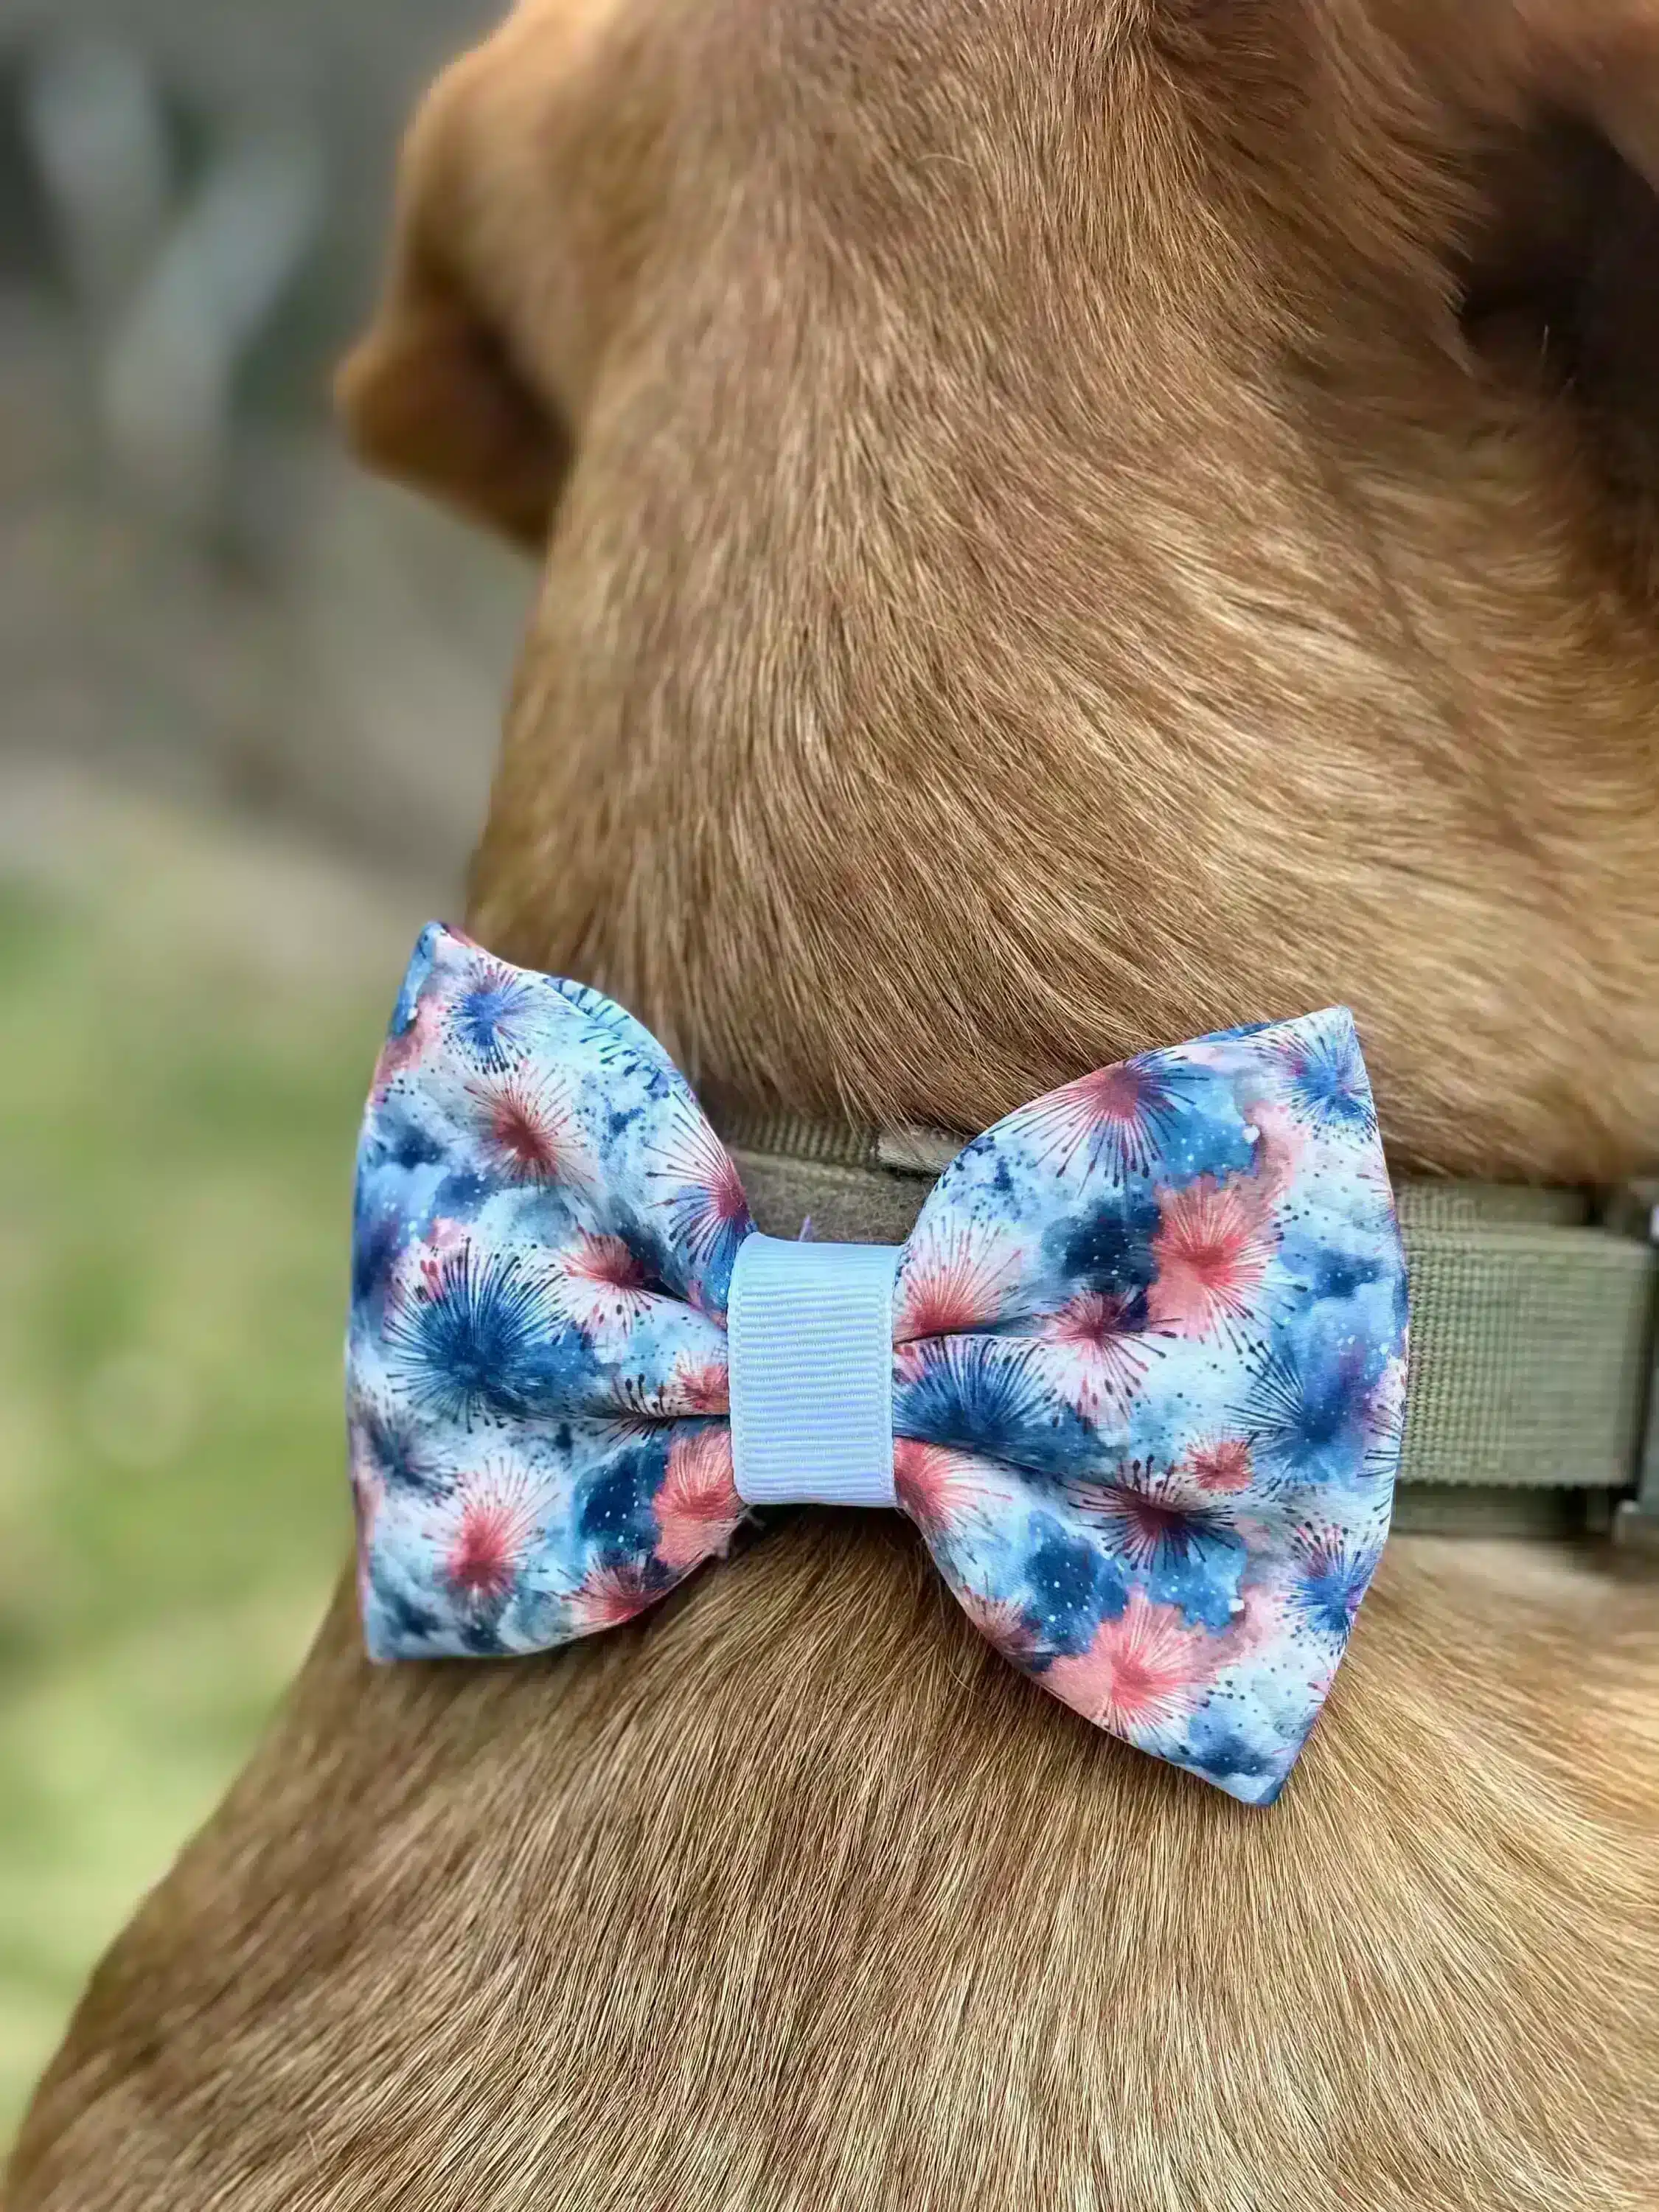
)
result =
(1137, 1376)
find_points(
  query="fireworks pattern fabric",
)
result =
(1149, 1358)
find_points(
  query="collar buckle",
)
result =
(1632, 1210)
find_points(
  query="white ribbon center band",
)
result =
(810, 1333)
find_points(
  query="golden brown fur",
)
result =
(1061, 531)
(797, 1897)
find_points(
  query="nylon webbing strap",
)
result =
(1532, 1321)
(1530, 1339)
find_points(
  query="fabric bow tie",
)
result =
(1138, 1375)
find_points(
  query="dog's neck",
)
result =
(1067, 635)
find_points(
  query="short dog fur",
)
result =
(1064, 524)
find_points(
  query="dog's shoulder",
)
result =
(798, 1896)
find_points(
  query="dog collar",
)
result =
(1531, 1409)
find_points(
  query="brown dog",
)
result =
(1067, 523)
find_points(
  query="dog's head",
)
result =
(1066, 526)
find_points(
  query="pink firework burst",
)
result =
(1212, 1248)
(486, 1530)
(693, 1389)
(1221, 1466)
(697, 1505)
(698, 1386)
(1118, 1114)
(953, 1279)
(611, 1593)
(1144, 1671)
(532, 1135)
(941, 1490)
(704, 1196)
(601, 1285)
(1103, 1359)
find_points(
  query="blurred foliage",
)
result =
(247, 710)
(176, 1130)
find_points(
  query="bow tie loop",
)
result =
(809, 1328)
(1137, 1375)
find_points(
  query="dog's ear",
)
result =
(1557, 288)
(434, 392)
(1599, 59)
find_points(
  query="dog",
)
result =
(1064, 525)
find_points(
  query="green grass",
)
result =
(176, 1126)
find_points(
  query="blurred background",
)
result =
(248, 702)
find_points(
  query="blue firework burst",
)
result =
(488, 1020)
(1333, 1574)
(1144, 1514)
(1306, 1421)
(980, 1394)
(1326, 1082)
(615, 1037)
(478, 1337)
(391, 1446)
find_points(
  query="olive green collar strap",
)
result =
(1531, 1409)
